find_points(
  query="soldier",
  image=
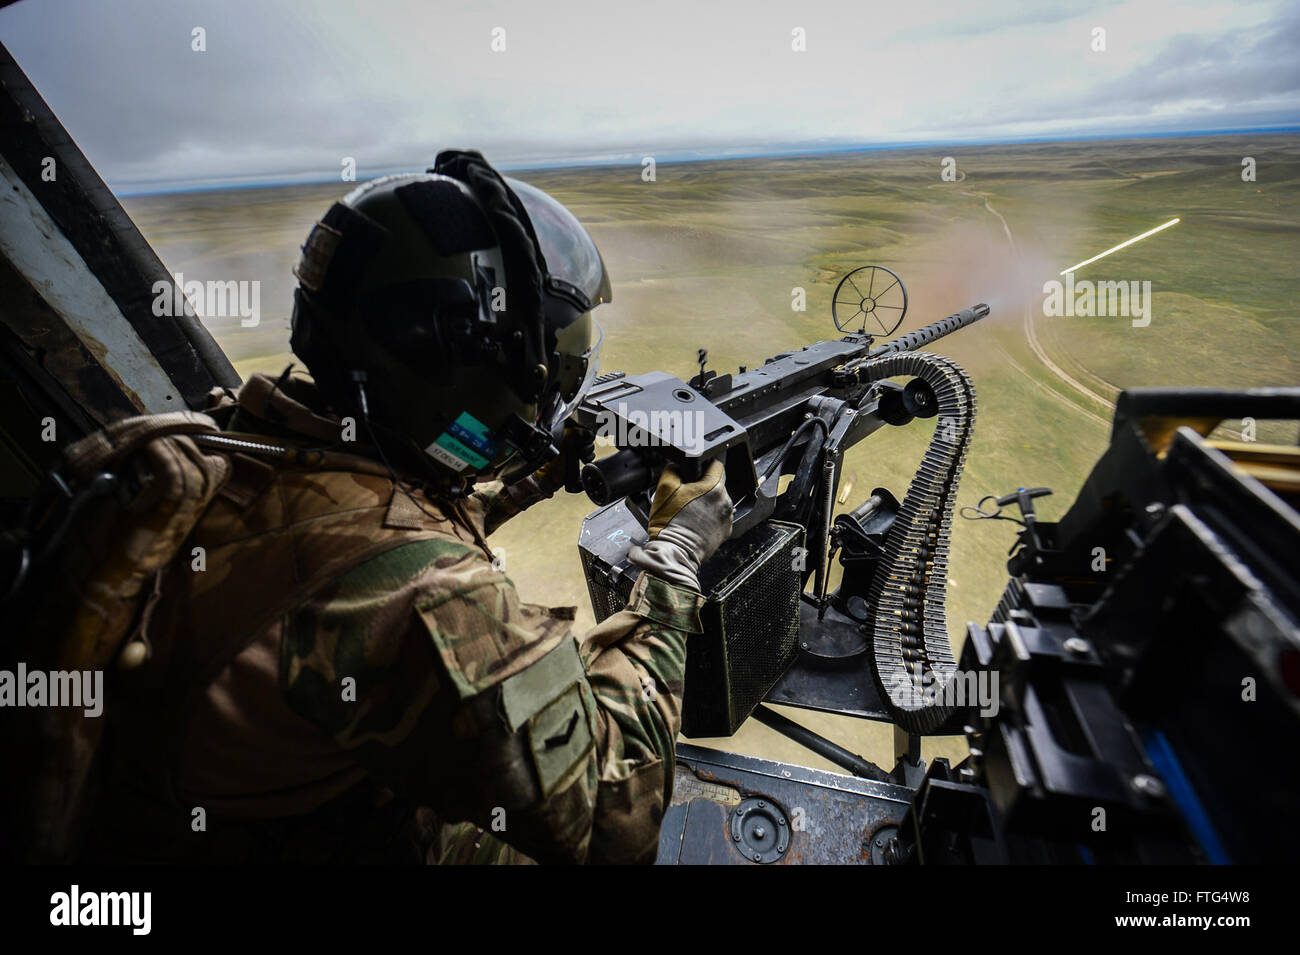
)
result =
(348, 672)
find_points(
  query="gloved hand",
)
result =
(688, 522)
(577, 446)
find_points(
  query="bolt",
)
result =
(780, 822)
(1154, 510)
(761, 804)
(758, 857)
(1149, 786)
(880, 842)
(1078, 646)
(759, 832)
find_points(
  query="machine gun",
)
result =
(794, 417)
(1148, 649)
(1145, 645)
(1146, 652)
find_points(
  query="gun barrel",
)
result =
(932, 332)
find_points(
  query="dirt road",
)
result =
(1031, 336)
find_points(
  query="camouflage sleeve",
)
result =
(636, 661)
(484, 708)
(497, 504)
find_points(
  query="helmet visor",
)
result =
(553, 419)
(572, 259)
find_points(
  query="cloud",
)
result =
(285, 90)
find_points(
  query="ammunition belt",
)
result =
(907, 632)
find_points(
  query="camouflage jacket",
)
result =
(330, 627)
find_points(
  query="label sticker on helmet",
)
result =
(444, 456)
(467, 443)
(473, 432)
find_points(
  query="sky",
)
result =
(286, 89)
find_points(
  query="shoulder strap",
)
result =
(96, 452)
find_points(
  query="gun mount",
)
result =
(782, 430)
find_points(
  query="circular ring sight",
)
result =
(873, 294)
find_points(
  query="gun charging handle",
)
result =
(1022, 498)
(628, 473)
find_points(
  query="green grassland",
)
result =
(708, 256)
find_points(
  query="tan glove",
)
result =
(688, 522)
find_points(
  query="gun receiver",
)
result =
(753, 420)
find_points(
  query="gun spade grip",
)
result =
(691, 470)
(623, 474)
